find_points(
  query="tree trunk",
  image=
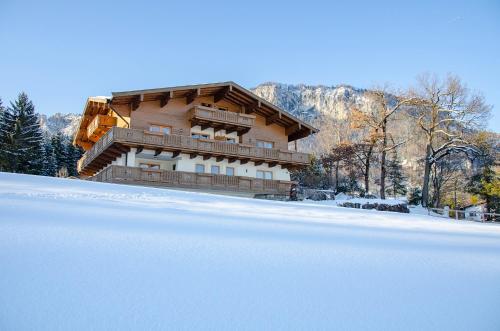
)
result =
(367, 169)
(383, 170)
(336, 176)
(427, 172)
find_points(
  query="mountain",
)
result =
(64, 123)
(307, 102)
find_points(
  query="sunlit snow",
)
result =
(78, 255)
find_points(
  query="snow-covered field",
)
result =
(78, 255)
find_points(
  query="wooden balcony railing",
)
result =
(168, 178)
(221, 119)
(187, 144)
(99, 125)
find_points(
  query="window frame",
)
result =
(196, 168)
(162, 127)
(232, 168)
(212, 169)
(265, 174)
(264, 143)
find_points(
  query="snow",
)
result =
(78, 255)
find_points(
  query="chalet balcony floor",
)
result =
(208, 117)
(119, 140)
(190, 180)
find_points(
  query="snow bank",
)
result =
(81, 255)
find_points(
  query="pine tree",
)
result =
(21, 138)
(395, 176)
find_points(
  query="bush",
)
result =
(415, 196)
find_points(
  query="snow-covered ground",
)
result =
(78, 255)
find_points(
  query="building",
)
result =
(211, 137)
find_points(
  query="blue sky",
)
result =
(62, 52)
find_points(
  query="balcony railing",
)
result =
(187, 144)
(99, 125)
(200, 115)
(168, 178)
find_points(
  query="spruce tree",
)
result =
(49, 162)
(73, 155)
(395, 176)
(21, 137)
(59, 151)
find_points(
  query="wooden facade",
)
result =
(222, 122)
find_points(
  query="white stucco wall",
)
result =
(248, 170)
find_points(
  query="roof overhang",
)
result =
(229, 91)
(94, 106)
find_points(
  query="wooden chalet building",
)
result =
(210, 137)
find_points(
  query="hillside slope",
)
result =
(82, 255)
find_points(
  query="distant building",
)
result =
(211, 137)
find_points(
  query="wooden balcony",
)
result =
(99, 126)
(167, 178)
(207, 117)
(118, 140)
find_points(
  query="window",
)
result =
(200, 136)
(160, 129)
(149, 166)
(200, 168)
(229, 171)
(265, 144)
(215, 170)
(231, 140)
(264, 174)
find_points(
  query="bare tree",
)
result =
(383, 107)
(447, 112)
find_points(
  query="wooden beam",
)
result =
(139, 149)
(206, 157)
(219, 158)
(136, 102)
(175, 154)
(258, 163)
(222, 93)
(293, 129)
(272, 164)
(232, 160)
(193, 155)
(271, 119)
(205, 126)
(245, 161)
(166, 98)
(158, 151)
(193, 95)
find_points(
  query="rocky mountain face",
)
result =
(67, 124)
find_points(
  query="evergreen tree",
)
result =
(73, 155)
(49, 161)
(59, 151)
(415, 196)
(21, 138)
(395, 176)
